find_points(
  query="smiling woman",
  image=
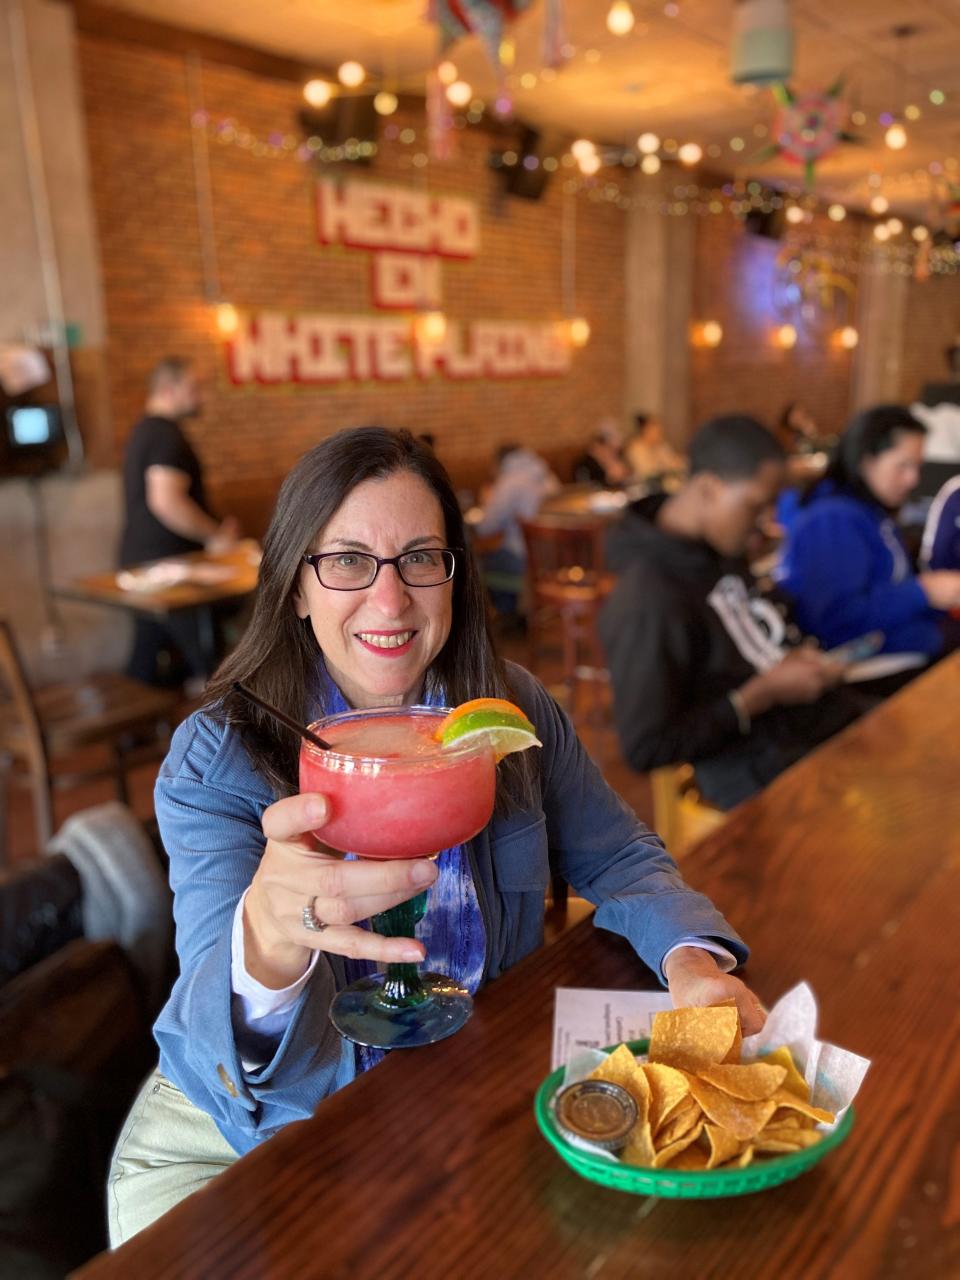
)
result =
(367, 598)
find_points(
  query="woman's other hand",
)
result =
(693, 978)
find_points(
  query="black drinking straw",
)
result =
(307, 734)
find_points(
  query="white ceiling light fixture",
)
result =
(762, 52)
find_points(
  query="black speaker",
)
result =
(770, 224)
(345, 119)
(528, 178)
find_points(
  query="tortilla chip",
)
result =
(733, 1054)
(668, 1088)
(639, 1150)
(794, 1081)
(680, 1123)
(693, 1160)
(681, 1108)
(754, 1081)
(743, 1119)
(690, 1038)
(800, 1138)
(666, 1155)
(742, 1160)
(784, 1098)
(723, 1145)
(622, 1068)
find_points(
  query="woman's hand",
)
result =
(296, 872)
(693, 978)
(941, 587)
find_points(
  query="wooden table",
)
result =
(242, 561)
(845, 872)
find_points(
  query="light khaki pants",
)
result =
(167, 1149)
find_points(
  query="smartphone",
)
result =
(857, 650)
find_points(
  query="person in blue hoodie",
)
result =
(366, 598)
(844, 565)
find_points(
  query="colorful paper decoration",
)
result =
(808, 127)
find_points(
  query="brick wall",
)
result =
(140, 142)
(931, 324)
(738, 281)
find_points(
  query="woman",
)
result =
(268, 924)
(648, 454)
(844, 564)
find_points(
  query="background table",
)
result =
(242, 561)
(845, 872)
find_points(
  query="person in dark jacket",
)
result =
(704, 670)
(844, 565)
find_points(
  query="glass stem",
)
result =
(401, 985)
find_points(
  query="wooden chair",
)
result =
(39, 727)
(680, 814)
(567, 585)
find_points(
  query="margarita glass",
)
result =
(395, 792)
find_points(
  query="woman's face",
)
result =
(891, 476)
(378, 642)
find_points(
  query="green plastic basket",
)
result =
(710, 1184)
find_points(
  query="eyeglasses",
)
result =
(356, 570)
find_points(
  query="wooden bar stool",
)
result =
(680, 814)
(39, 727)
(568, 585)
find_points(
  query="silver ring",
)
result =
(309, 917)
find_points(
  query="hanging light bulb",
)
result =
(896, 137)
(351, 75)
(318, 92)
(690, 153)
(578, 331)
(894, 226)
(879, 204)
(881, 232)
(589, 164)
(920, 234)
(848, 337)
(620, 18)
(786, 336)
(650, 164)
(836, 213)
(228, 321)
(648, 143)
(447, 72)
(711, 333)
(431, 327)
(385, 104)
(459, 93)
(582, 147)
(794, 214)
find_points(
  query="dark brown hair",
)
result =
(278, 654)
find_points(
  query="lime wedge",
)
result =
(505, 731)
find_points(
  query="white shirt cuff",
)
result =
(263, 1009)
(726, 961)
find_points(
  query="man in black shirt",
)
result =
(704, 669)
(167, 512)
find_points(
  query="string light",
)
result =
(881, 231)
(385, 104)
(920, 234)
(620, 18)
(690, 153)
(582, 147)
(836, 213)
(894, 226)
(318, 93)
(351, 75)
(848, 337)
(786, 336)
(431, 327)
(650, 164)
(447, 72)
(589, 164)
(648, 143)
(708, 334)
(794, 214)
(879, 204)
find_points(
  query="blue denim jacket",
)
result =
(209, 803)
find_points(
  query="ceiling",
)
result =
(670, 75)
